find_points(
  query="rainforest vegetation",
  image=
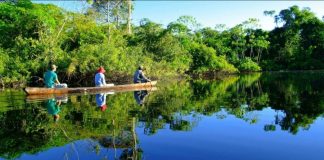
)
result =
(32, 36)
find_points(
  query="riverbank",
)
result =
(87, 80)
(123, 78)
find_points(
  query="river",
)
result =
(255, 116)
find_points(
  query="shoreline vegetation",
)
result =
(32, 36)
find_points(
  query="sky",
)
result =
(207, 13)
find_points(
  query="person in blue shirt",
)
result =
(140, 96)
(101, 101)
(51, 80)
(139, 76)
(100, 80)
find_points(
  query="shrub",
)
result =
(204, 59)
(247, 65)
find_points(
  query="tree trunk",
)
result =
(258, 58)
(129, 29)
(107, 13)
(118, 17)
(108, 19)
(134, 138)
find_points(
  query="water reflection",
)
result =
(277, 102)
(101, 101)
(53, 106)
(140, 96)
(126, 142)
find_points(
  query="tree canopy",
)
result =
(35, 35)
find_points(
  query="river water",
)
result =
(256, 116)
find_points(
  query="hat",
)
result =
(53, 66)
(140, 67)
(103, 107)
(101, 69)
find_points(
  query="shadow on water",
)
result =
(32, 127)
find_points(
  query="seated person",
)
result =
(100, 80)
(51, 80)
(139, 76)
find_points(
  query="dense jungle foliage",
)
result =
(34, 35)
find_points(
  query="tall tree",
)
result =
(129, 27)
(114, 11)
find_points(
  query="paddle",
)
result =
(109, 85)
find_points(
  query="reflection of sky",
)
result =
(233, 138)
(82, 149)
(213, 138)
(208, 13)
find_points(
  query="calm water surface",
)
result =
(268, 116)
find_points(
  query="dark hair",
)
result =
(140, 67)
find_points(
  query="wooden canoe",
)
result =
(42, 97)
(117, 88)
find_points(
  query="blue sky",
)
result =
(208, 13)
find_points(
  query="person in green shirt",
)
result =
(51, 80)
(53, 108)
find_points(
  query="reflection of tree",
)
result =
(203, 97)
(180, 125)
(127, 141)
(134, 152)
(298, 95)
(238, 96)
(29, 130)
(22, 131)
(270, 127)
(297, 99)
